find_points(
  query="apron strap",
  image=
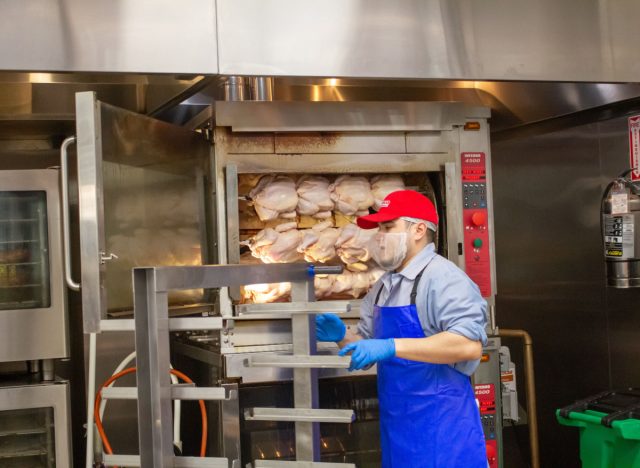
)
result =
(414, 290)
(375, 303)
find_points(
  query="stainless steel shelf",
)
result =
(295, 361)
(28, 198)
(21, 220)
(178, 392)
(23, 453)
(22, 286)
(299, 415)
(175, 324)
(21, 432)
(23, 241)
(19, 305)
(178, 462)
(287, 309)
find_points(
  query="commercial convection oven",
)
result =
(289, 180)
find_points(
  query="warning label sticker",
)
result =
(618, 236)
(634, 145)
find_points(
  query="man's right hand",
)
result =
(329, 327)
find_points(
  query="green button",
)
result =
(477, 243)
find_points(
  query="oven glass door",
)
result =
(24, 251)
(27, 438)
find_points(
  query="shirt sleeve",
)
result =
(454, 304)
(365, 326)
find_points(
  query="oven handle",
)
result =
(64, 177)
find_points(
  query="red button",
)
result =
(491, 453)
(479, 218)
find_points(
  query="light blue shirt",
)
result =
(447, 300)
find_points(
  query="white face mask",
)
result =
(389, 249)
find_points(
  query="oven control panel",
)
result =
(476, 220)
(486, 397)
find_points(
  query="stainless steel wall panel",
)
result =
(572, 40)
(621, 304)
(139, 36)
(550, 270)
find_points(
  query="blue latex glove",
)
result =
(367, 352)
(329, 327)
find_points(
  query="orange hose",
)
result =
(130, 370)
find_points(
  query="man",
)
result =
(423, 323)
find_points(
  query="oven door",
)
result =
(35, 426)
(141, 186)
(33, 319)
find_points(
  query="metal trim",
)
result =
(90, 202)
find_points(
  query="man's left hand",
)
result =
(367, 352)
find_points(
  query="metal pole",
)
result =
(234, 89)
(262, 88)
(305, 381)
(230, 413)
(152, 358)
(91, 390)
(527, 344)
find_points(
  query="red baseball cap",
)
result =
(403, 203)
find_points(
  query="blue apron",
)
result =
(428, 414)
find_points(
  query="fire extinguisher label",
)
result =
(618, 236)
(619, 202)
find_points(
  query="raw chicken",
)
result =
(352, 195)
(263, 293)
(314, 198)
(326, 286)
(352, 246)
(323, 285)
(274, 197)
(355, 284)
(383, 185)
(375, 274)
(349, 283)
(319, 243)
(277, 245)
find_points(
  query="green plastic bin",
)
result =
(609, 434)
